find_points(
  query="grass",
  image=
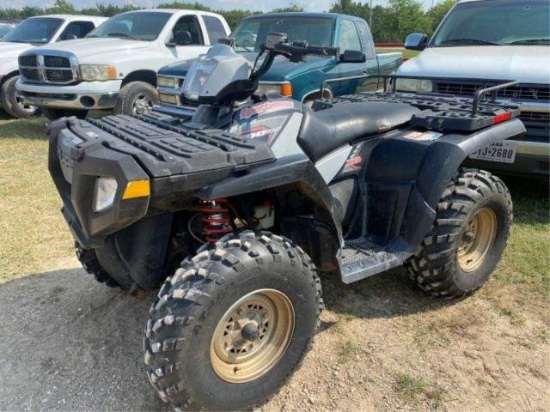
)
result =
(32, 231)
(413, 390)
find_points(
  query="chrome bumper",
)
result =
(71, 101)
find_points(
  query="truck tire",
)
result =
(90, 263)
(233, 323)
(468, 237)
(12, 104)
(54, 114)
(136, 98)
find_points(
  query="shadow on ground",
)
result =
(69, 343)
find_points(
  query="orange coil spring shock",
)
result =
(215, 218)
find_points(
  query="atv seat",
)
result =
(328, 129)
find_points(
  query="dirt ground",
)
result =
(69, 343)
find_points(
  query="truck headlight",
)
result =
(282, 88)
(414, 85)
(97, 72)
(170, 82)
(104, 193)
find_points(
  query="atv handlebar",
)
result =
(295, 52)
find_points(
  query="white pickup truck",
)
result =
(30, 33)
(483, 42)
(115, 66)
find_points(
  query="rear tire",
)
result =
(90, 263)
(136, 98)
(12, 104)
(233, 324)
(468, 237)
(54, 114)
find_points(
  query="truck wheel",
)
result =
(54, 114)
(468, 236)
(136, 98)
(11, 103)
(233, 323)
(90, 263)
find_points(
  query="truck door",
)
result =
(347, 39)
(188, 36)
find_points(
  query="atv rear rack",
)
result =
(440, 112)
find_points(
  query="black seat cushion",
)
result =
(328, 129)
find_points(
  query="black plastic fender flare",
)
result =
(287, 170)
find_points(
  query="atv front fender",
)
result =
(284, 171)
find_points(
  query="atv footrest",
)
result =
(357, 261)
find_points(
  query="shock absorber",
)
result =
(215, 218)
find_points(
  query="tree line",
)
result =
(389, 23)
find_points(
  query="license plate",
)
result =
(502, 152)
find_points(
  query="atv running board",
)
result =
(357, 261)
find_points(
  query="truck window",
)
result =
(190, 24)
(485, 22)
(77, 28)
(133, 25)
(366, 38)
(348, 39)
(36, 30)
(251, 33)
(214, 27)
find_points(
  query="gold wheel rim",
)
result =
(477, 239)
(252, 336)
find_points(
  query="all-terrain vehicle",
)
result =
(255, 195)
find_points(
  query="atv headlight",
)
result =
(104, 193)
(97, 72)
(414, 85)
(282, 88)
(170, 82)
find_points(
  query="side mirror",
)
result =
(416, 41)
(68, 37)
(181, 38)
(353, 56)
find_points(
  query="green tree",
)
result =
(61, 7)
(184, 5)
(407, 17)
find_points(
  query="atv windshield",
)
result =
(508, 22)
(251, 34)
(133, 25)
(38, 30)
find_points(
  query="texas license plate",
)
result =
(502, 152)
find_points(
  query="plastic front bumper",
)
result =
(85, 95)
(75, 175)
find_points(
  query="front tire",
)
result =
(89, 261)
(136, 98)
(11, 102)
(233, 323)
(468, 237)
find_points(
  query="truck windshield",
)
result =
(516, 22)
(38, 30)
(134, 25)
(250, 34)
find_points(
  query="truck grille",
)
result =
(516, 92)
(536, 123)
(47, 68)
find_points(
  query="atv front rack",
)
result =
(440, 112)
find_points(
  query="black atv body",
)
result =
(370, 213)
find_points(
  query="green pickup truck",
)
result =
(300, 80)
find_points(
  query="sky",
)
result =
(256, 5)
